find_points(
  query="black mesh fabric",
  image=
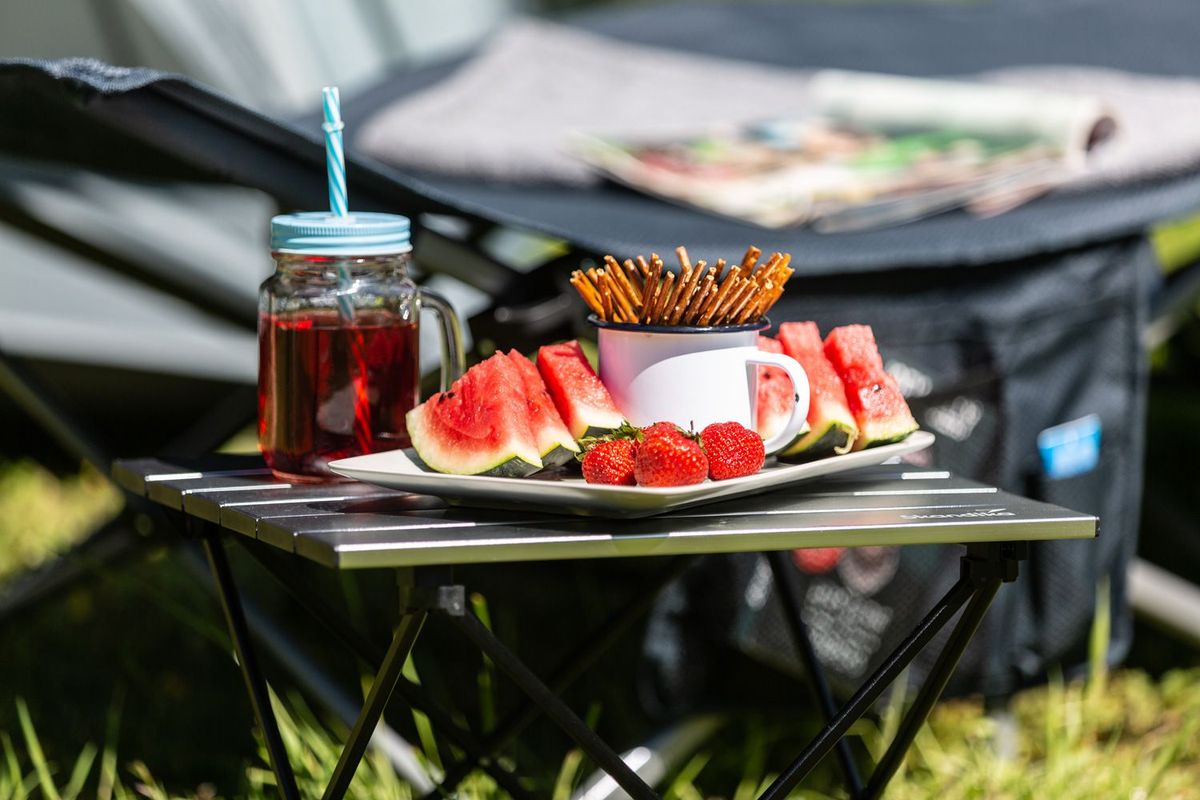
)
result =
(988, 361)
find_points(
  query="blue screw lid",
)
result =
(320, 233)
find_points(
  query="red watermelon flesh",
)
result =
(555, 444)
(831, 425)
(880, 410)
(581, 399)
(480, 426)
(774, 398)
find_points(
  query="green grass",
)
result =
(41, 515)
(1132, 738)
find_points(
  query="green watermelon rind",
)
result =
(558, 455)
(506, 465)
(873, 436)
(835, 437)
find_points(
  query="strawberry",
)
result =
(817, 560)
(733, 450)
(668, 458)
(662, 427)
(610, 461)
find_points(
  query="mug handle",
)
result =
(799, 379)
(453, 359)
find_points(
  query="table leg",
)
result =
(932, 689)
(590, 648)
(477, 753)
(604, 756)
(789, 595)
(256, 684)
(381, 691)
(983, 569)
(879, 680)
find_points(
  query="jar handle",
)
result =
(453, 360)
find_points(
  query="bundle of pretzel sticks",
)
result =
(699, 295)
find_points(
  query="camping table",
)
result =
(355, 526)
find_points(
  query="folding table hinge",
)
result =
(431, 589)
(450, 600)
(992, 561)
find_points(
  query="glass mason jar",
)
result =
(338, 334)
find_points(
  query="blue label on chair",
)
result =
(1071, 448)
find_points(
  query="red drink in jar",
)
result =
(338, 340)
(309, 363)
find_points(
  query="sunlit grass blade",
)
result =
(108, 759)
(425, 733)
(45, 780)
(486, 678)
(1098, 641)
(80, 772)
(683, 787)
(568, 774)
(16, 784)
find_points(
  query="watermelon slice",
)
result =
(831, 425)
(480, 426)
(555, 444)
(774, 398)
(581, 399)
(879, 409)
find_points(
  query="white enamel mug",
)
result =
(693, 377)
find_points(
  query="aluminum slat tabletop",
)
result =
(354, 526)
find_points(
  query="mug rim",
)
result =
(762, 324)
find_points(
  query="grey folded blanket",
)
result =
(507, 115)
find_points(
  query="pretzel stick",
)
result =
(691, 314)
(750, 259)
(594, 277)
(726, 285)
(720, 269)
(723, 307)
(787, 273)
(618, 277)
(681, 253)
(739, 301)
(611, 267)
(664, 295)
(710, 305)
(635, 278)
(767, 270)
(685, 277)
(697, 280)
(782, 273)
(621, 303)
(770, 300)
(684, 297)
(588, 293)
(653, 289)
(753, 308)
(644, 266)
(607, 300)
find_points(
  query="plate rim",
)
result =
(617, 499)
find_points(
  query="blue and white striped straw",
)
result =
(335, 158)
(335, 174)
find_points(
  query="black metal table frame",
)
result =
(431, 591)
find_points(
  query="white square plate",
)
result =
(555, 494)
